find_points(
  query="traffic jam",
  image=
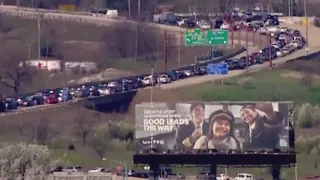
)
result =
(284, 41)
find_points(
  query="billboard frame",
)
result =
(275, 158)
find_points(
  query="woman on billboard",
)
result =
(220, 135)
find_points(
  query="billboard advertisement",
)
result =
(215, 125)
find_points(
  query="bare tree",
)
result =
(43, 131)
(100, 140)
(83, 127)
(12, 73)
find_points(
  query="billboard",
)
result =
(215, 125)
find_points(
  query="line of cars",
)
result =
(285, 42)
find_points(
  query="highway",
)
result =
(87, 18)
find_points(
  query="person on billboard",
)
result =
(187, 135)
(263, 129)
(221, 132)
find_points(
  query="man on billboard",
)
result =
(263, 129)
(187, 135)
(221, 132)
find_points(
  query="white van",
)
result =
(244, 176)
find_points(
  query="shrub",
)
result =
(309, 145)
(245, 82)
(306, 115)
(306, 80)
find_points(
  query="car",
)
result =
(11, 103)
(163, 78)
(225, 26)
(238, 64)
(28, 101)
(72, 169)
(181, 22)
(104, 91)
(2, 107)
(176, 176)
(205, 175)
(244, 176)
(97, 170)
(149, 81)
(181, 75)
(56, 169)
(52, 99)
(222, 177)
(188, 72)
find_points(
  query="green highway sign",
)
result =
(217, 37)
(195, 37)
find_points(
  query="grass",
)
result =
(273, 85)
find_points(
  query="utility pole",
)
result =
(232, 28)
(137, 38)
(179, 50)
(270, 57)
(307, 26)
(165, 50)
(129, 8)
(39, 37)
(289, 8)
(247, 51)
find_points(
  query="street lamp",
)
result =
(125, 167)
(29, 49)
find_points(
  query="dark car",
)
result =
(126, 85)
(205, 175)
(27, 101)
(2, 107)
(56, 169)
(38, 99)
(189, 24)
(181, 74)
(11, 103)
(200, 70)
(238, 64)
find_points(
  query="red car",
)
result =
(52, 99)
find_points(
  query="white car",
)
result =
(96, 170)
(284, 29)
(182, 22)
(205, 26)
(104, 91)
(244, 176)
(112, 84)
(282, 37)
(273, 29)
(188, 73)
(263, 30)
(72, 169)
(225, 26)
(222, 177)
(148, 81)
(164, 78)
(280, 53)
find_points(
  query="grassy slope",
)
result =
(273, 85)
(286, 87)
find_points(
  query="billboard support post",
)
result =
(296, 171)
(213, 170)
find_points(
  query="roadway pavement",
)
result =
(314, 46)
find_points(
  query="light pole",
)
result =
(307, 24)
(29, 49)
(125, 167)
